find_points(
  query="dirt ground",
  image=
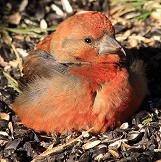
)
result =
(23, 23)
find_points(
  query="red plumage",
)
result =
(75, 79)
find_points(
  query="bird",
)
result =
(78, 78)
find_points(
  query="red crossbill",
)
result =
(77, 78)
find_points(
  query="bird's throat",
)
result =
(96, 72)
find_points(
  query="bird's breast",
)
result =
(56, 103)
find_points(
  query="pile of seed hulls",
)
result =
(136, 140)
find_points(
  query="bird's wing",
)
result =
(39, 63)
(54, 99)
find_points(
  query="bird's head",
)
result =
(86, 38)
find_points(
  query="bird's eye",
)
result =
(88, 40)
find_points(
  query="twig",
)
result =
(19, 60)
(59, 147)
(28, 31)
(12, 82)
